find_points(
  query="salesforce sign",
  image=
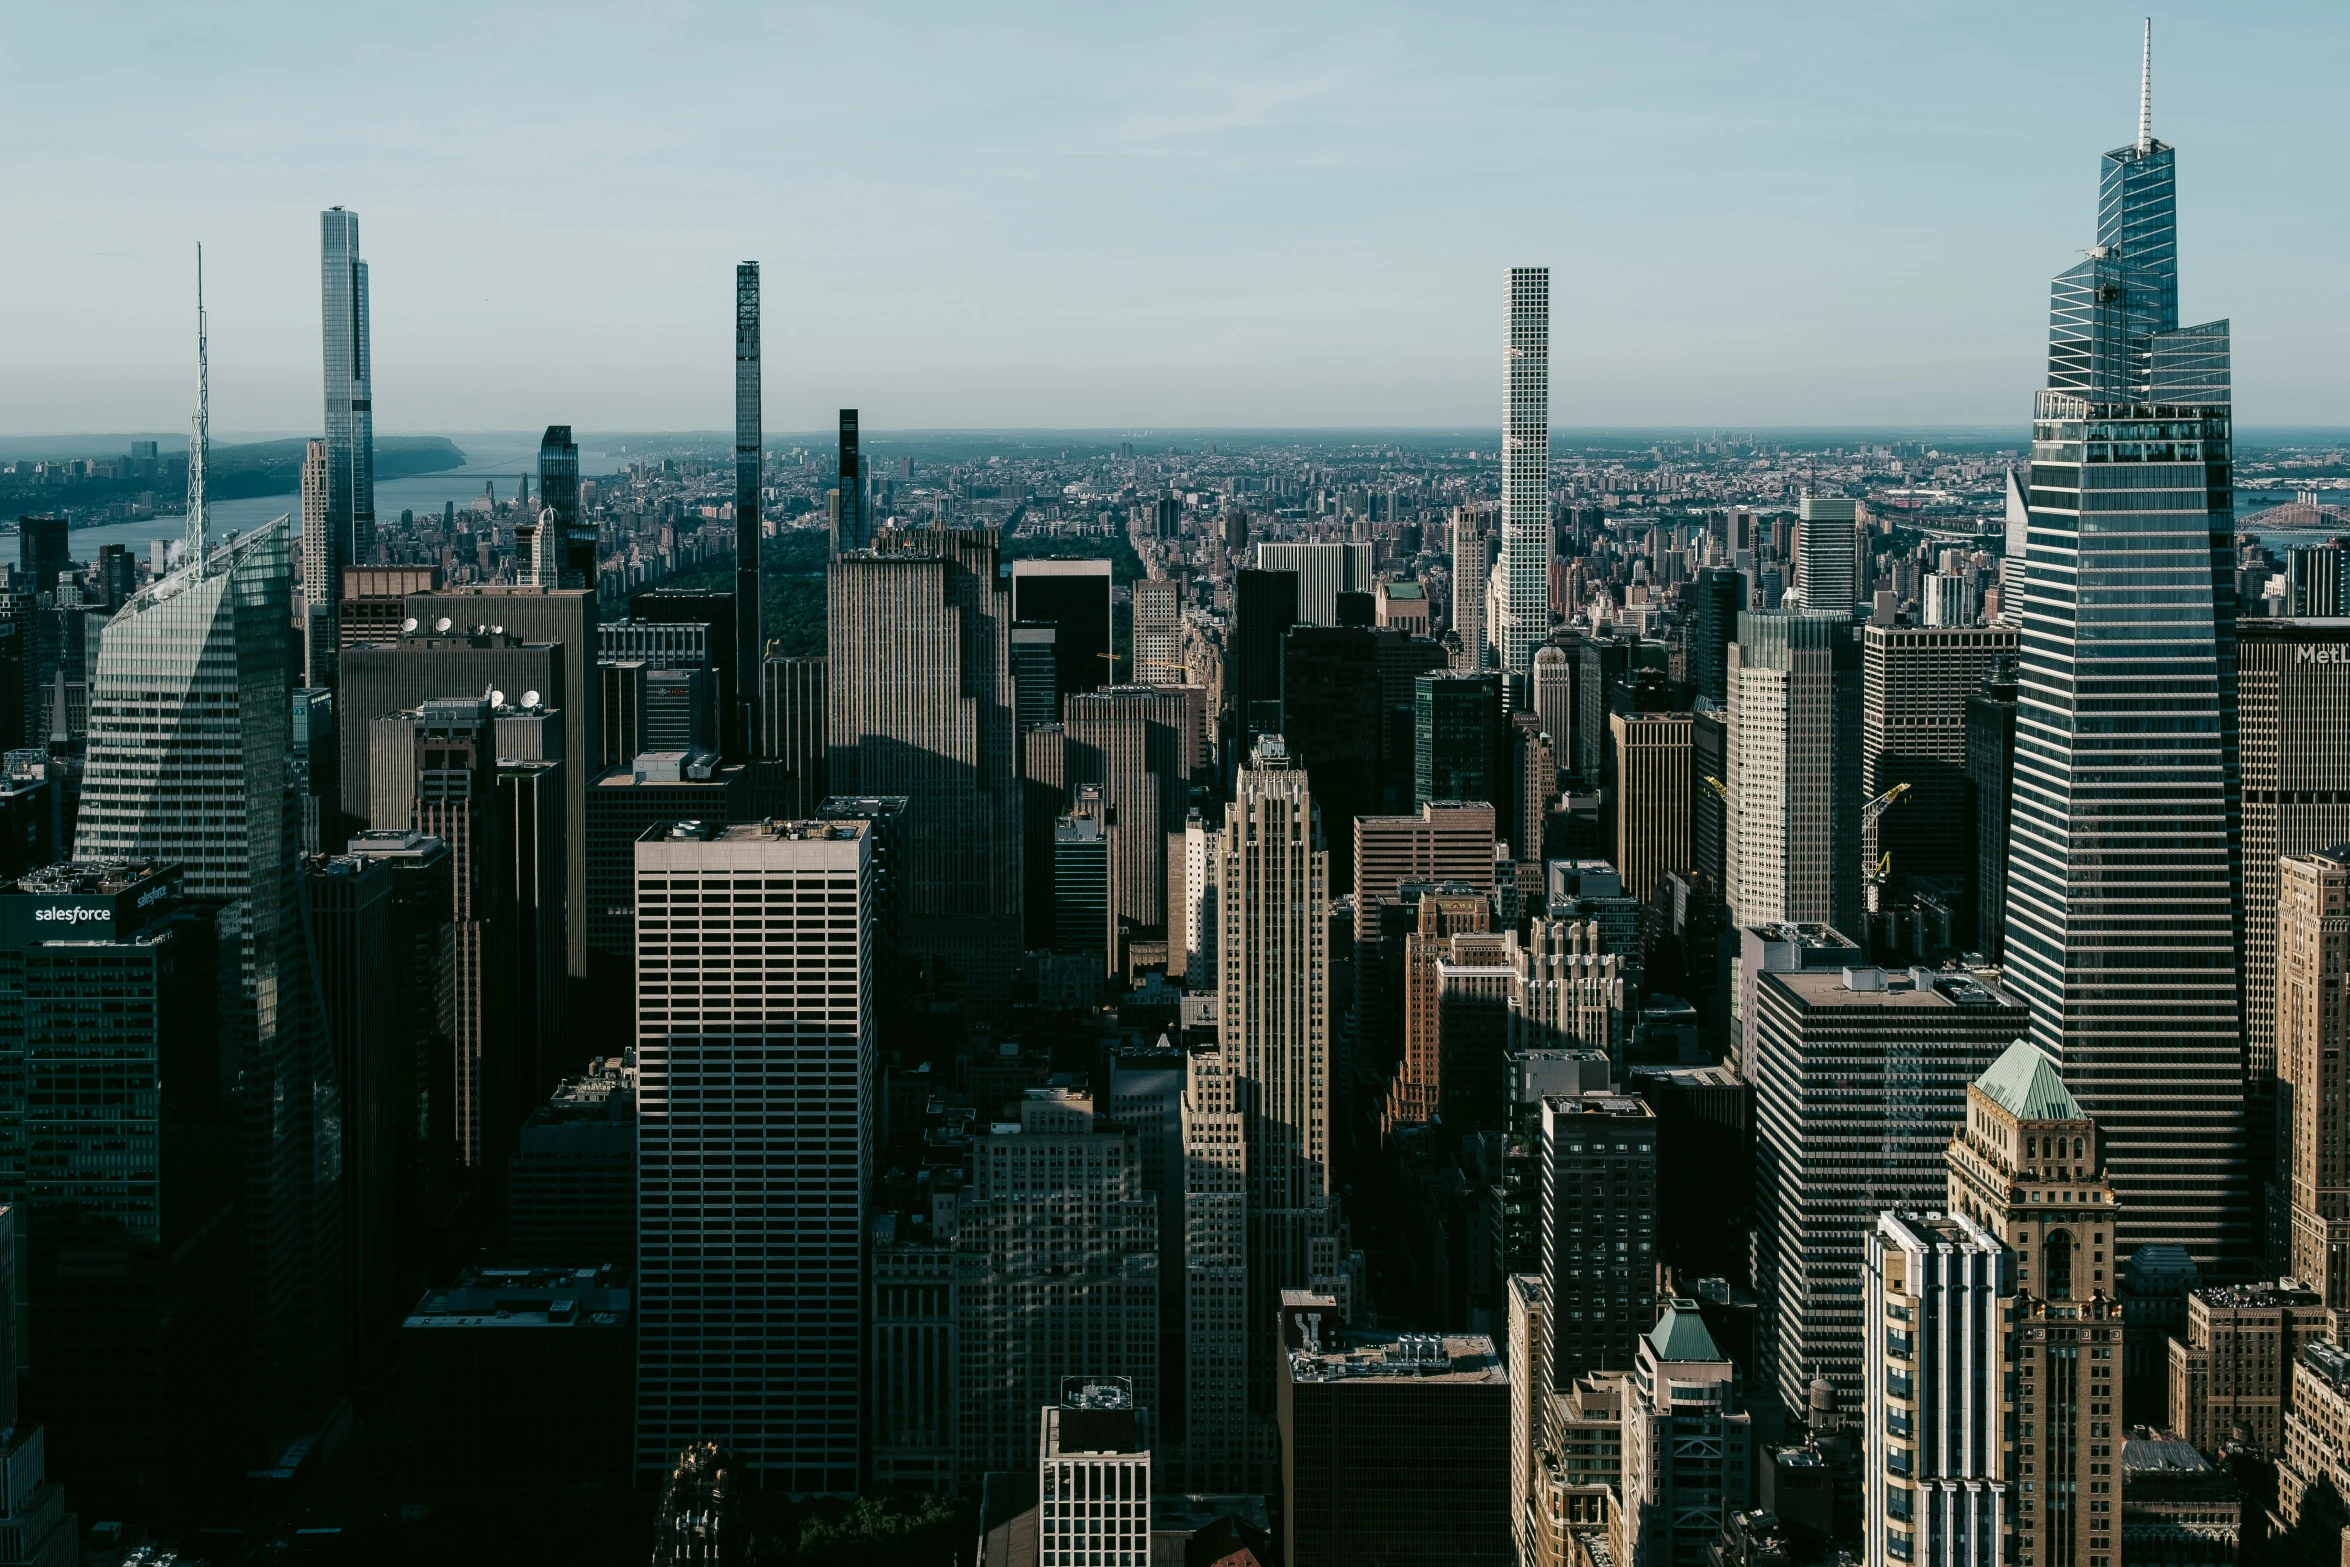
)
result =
(32, 912)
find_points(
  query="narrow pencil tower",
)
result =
(200, 438)
(750, 646)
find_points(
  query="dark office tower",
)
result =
(1044, 790)
(19, 664)
(1604, 663)
(399, 677)
(1330, 717)
(1721, 594)
(1709, 835)
(853, 524)
(1036, 681)
(920, 704)
(1599, 1185)
(716, 612)
(2134, 986)
(117, 574)
(559, 493)
(1915, 683)
(187, 763)
(371, 1021)
(1990, 780)
(567, 617)
(455, 753)
(33, 1512)
(1653, 818)
(532, 811)
(791, 718)
(1402, 660)
(1073, 597)
(750, 644)
(621, 804)
(571, 1190)
(1129, 740)
(125, 1154)
(42, 552)
(350, 406)
(1395, 1447)
(1264, 608)
(404, 992)
(1456, 741)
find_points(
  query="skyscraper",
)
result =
(742, 725)
(1655, 776)
(755, 1126)
(920, 705)
(322, 589)
(1215, 1275)
(350, 405)
(1721, 594)
(1072, 597)
(1598, 1154)
(1525, 473)
(1264, 607)
(1824, 555)
(1456, 741)
(2026, 1166)
(1793, 808)
(2125, 725)
(1936, 1472)
(1472, 571)
(1325, 568)
(1858, 1077)
(187, 764)
(1990, 784)
(1915, 682)
(852, 527)
(1274, 1006)
(1129, 740)
(2313, 920)
(1330, 718)
(573, 547)
(1158, 634)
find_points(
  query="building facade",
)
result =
(755, 1122)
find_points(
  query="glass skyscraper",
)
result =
(2122, 876)
(188, 742)
(559, 493)
(742, 725)
(350, 407)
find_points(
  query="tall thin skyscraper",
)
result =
(852, 527)
(1525, 474)
(350, 405)
(322, 587)
(2124, 726)
(742, 725)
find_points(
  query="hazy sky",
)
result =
(1102, 215)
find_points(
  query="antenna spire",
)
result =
(200, 442)
(2146, 93)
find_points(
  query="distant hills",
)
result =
(253, 468)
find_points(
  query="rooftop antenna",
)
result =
(200, 443)
(2146, 93)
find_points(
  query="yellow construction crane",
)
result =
(1717, 786)
(1883, 802)
(1884, 864)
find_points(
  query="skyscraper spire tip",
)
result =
(2146, 91)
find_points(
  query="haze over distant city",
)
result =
(1205, 216)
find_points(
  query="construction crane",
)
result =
(1877, 807)
(1717, 786)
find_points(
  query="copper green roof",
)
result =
(1680, 1334)
(2026, 1083)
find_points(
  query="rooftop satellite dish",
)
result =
(497, 631)
(409, 624)
(497, 697)
(441, 624)
(530, 699)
